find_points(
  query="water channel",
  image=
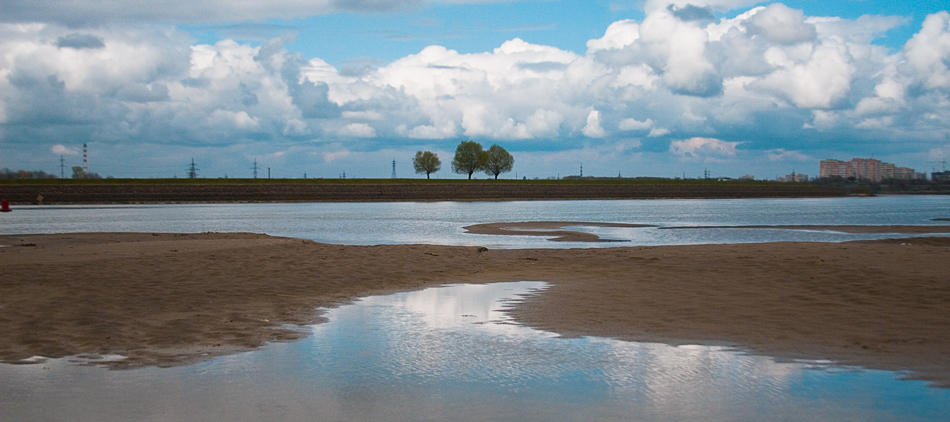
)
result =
(451, 353)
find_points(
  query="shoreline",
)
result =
(238, 191)
(172, 299)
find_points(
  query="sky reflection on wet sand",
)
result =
(450, 353)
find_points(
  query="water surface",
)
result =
(449, 354)
(442, 222)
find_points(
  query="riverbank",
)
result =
(297, 190)
(169, 299)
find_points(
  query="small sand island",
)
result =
(170, 299)
(552, 229)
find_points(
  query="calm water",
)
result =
(442, 222)
(448, 354)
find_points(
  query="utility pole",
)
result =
(62, 167)
(255, 168)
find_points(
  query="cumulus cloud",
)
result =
(780, 24)
(781, 154)
(593, 129)
(64, 150)
(703, 147)
(766, 71)
(634, 124)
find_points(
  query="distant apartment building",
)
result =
(865, 169)
(940, 176)
(747, 177)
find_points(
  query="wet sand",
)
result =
(551, 229)
(169, 299)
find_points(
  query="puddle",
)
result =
(450, 353)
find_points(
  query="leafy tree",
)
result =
(25, 174)
(469, 158)
(426, 162)
(80, 173)
(498, 161)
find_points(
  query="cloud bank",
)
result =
(681, 83)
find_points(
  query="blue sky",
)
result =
(322, 87)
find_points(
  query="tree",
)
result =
(498, 161)
(80, 173)
(426, 162)
(469, 158)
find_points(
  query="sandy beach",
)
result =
(169, 299)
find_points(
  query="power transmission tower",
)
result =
(255, 168)
(394, 169)
(62, 167)
(192, 170)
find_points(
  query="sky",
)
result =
(323, 88)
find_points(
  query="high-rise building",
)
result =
(865, 169)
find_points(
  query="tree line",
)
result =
(470, 157)
(78, 173)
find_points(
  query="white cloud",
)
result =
(928, 52)
(780, 24)
(677, 72)
(782, 154)
(593, 129)
(618, 35)
(702, 147)
(634, 124)
(336, 155)
(358, 130)
(822, 79)
(64, 150)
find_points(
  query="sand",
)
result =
(552, 229)
(170, 299)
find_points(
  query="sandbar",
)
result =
(551, 229)
(172, 299)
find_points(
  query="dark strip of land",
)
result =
(130, 192)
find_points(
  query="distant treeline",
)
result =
(25, 174)
(78, 173)
(854, 186)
